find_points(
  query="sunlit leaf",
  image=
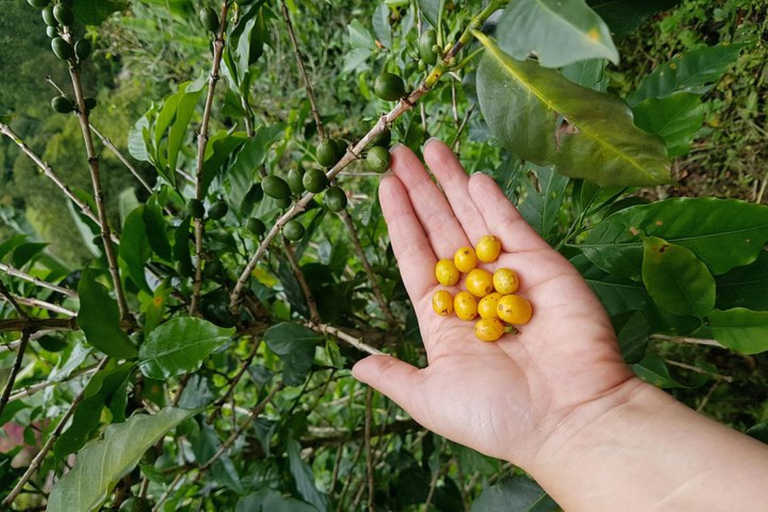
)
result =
(742, 330)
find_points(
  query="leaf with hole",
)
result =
(543, 117)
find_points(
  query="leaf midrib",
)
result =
(684, 238)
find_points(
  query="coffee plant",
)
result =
(201, 359)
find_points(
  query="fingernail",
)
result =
(396, 146)
(429, 141)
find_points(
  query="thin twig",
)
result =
(706, 398)
(343, 336)
(235, 380)
(98, 194)
(302, 70)
(347, 218)
(243, 425)
(38, 460)
(432, 486)
(684, 339)
(13, 301)
(34, 388)
(14, 371)
(457, 138)
(202, 143)
(37, 303)
(696, 369)
(127, 163)
(314, 314)
(38, 324)
(368, 449)
(335, 473)
(167, 492)
(37, 282)
(10, 346)
(352, 154)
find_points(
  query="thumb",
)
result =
(391, 377)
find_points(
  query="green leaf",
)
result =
(558, 32)
(759, 432)
(676, 279)
(134, 247)
(381, 27)
(180, 346)
(623, 16)
(269, 500)
(99, 318)
(653, 369)
(745, 287)
(157, 229)
(516, 493)
(617, 294)
(102, 463)
(432, 11)
(723, 233)
(742, 330)
(93, 12)
(181, 253)
(675, 118)
(87, 417)
(545, 118)
(359, 36)
(218, 153)
(541, 205)
(588, 73)
(139, 140)
(304, 478)
(633, 335)
(695, 71)
(127, 202)
(245, 169)
(295, 345)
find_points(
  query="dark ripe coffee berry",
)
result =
(90, 104)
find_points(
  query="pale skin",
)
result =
(556, 399)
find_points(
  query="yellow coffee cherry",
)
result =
(489, 329)
(465, 259)
(446, 273)
(480, 282)
(488, 305)
(488, 249)
(442, 302)
(465, 305)
(505, 281)
(515, 309)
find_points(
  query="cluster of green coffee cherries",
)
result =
(58, 19)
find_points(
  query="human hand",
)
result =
(503, 398)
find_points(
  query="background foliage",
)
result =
(318, 431)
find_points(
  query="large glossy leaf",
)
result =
(381, 27)
(87, 417)
(518, 493)
(432, 10)
(617, 294)
(93, 12)
(541, 203)
(675, 118)
(742, 330)
(269, 500)
(134, 247)
(218, 153)
(623, 16)
(695, 71)
(304, 478)
(180, 346)
(724, 233)
(181, 253)
(745, 287)
(676, 279)
(102, 463)
(558, 32)
(295, 345)
(157, 229)
(244, 171)
(99, 318)
(545, 118)
(633, 333)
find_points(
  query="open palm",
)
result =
(499, 398)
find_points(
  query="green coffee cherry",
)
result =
(209, 19)
(427, 42)
(52, 32)
(341, 148)
(293, 230)
(218, 210)
(256, 226)
(384, 139)
(389, 86)
(39, 4)
(62, 105)
(62, 49)
(83, 49)
(90, 104)
(294, 179)
(63, 14)
(48, 17)
(196, 208)
(283, 203)
(136, 504)
(335, 199)
(275, 187)
(327, 153)
(378, 159)
(315, 181)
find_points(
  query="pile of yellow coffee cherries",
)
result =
(489, 295)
